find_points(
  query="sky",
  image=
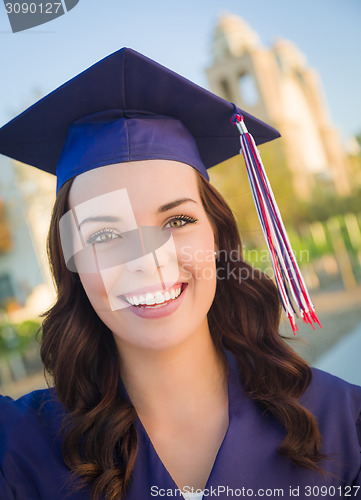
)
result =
(178, 34)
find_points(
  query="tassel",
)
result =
(290, 283)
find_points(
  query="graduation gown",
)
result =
(247, 462)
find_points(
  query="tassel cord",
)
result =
(284, 252)
(278, 219)
(259, 203)
(288, 276)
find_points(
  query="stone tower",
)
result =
(276, 85)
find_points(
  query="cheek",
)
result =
(94, 288)
(196, 254)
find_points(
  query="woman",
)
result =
(169, 372)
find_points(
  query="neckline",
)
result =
(232, 382)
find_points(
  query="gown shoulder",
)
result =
(30, 442)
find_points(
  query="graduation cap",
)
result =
(130, 108)
(121, 109)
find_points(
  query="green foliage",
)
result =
(326, 204)
(310, 226)
(230, 178)
(17, 336)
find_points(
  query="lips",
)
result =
(156, 298)
(156, 310)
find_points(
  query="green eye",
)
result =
(176, 223)
(103, 236)
(179, 221)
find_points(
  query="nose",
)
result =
(158, 254)
(147, 264)
(147, 260)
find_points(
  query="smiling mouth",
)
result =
(157, 299)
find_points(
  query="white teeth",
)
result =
(158, 298)
(149, 299)
(136, 301)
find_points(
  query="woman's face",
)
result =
(144, 250)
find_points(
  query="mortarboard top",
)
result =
(126, 107)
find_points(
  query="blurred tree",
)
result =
(355, 161)
(230, 178)
(17, 337)
(325, 205)
(5, 234)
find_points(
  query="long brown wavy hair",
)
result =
(79, 352)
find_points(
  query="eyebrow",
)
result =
(100, 218)
(174, 204)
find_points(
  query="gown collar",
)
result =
(150, 472)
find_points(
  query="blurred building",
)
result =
(26, 198)
(276, 85)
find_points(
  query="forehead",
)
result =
(161, 180)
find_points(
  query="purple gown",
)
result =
(247, 462)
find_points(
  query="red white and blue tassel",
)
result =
(290, 283)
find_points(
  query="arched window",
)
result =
(248, 90)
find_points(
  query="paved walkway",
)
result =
(340, 314)
(24, 386)
(344, 358)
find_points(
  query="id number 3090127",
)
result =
(33, 8)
